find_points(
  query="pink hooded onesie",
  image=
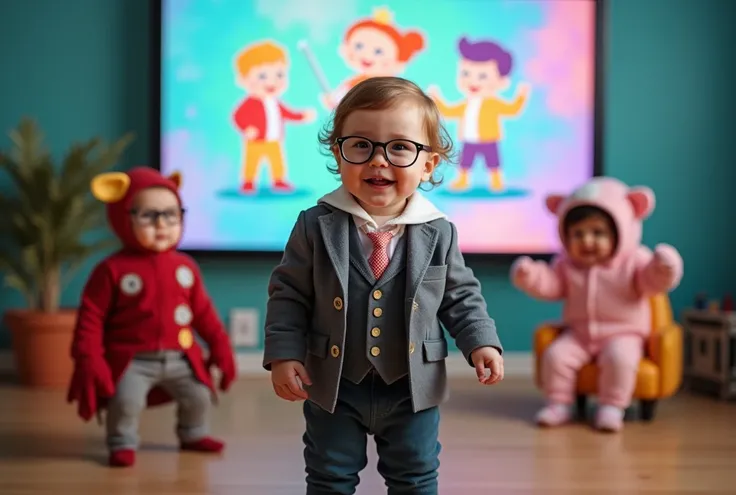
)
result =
(606, 308)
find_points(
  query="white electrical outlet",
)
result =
(244, 330)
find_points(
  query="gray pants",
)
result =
(171, 371)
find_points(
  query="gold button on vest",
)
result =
(377, 294)
(375, 351)
(375, 331)
(377, 312)
(335, 351)
(337, 302)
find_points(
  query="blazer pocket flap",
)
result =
(435, 350)
(317, 345)
(436, 272)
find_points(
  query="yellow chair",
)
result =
(660, 370)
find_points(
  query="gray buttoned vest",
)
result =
(376, 326)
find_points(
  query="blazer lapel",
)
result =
(421, 241)
(335, 230)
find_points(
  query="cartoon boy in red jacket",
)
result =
(134, 342)
(262, 70)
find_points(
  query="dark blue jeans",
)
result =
(406, 442)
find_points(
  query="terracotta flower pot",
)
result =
(42, 346)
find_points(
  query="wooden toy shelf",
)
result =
(710, 352)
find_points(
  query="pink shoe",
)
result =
(554, 415)
(609, 418)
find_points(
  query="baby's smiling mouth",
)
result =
(379, 181)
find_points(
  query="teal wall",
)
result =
(81, 67)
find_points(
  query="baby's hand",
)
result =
(488, 357)
(287, 378)
(665, 260)
(521, 270)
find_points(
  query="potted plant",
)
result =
(47, 231)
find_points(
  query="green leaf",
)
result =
(16, 275)
(24, 228)
(6, 205)
(22, 183)
(109, 156)
(9, 262)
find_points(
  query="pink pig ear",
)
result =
(642, 201)
(553, 202)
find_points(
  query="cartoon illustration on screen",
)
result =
(262, 69)
(371, 47)
(483, 72)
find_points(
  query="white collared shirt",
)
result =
(364, 228)
(418, 210)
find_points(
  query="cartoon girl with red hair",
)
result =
(375, 47)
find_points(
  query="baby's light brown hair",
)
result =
(379, 93)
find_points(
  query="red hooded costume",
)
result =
(137, 300)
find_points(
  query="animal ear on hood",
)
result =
(642, 201)
(176, 178)
(553, 202)
(110, 187)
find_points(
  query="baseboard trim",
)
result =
(518, 364)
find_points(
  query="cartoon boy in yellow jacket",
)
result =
(484, 70)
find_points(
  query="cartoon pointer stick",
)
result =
(303, 47)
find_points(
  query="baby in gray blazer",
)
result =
(368, 276)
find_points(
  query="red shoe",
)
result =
(282, 186)
(206, 444)
(247, 187)
(122, 458)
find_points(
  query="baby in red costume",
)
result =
(134, 342)
(605, 278)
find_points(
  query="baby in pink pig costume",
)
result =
(605, 278)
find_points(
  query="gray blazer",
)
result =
(306, 310)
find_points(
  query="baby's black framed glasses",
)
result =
(147, 218)
(399, 153)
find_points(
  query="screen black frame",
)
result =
(601, 52)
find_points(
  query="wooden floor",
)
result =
(489, 447)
